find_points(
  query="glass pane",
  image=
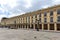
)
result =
(51, 13)
(51, 19)
(58, 19)
(45, 19)
(58, 11)
(45, 14)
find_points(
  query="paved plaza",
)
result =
(21, 34)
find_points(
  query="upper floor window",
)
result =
(40, 20)
(45, 13)
(51, 19)
(58, 18)
(40, 15)
(35, 16)
(51, 13)
(45, 19)
(58, 11)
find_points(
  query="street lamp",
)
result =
(15, 23)
(38, 24)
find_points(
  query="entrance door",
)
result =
(58, 26)
(40, 26)
(35, 26)
(51, 26)
(45, 27)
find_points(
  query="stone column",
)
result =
(42, 26)
(55, 26)
(48, 26)
(42, 21)
(30, 25)
(34, 26)
(27, 27)
(55, 20)
(22, 26)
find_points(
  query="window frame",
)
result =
(45, 14)
(51, 19)
(51, 13)
(58, 11)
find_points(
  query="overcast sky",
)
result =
(10, 8)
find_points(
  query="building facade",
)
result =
(44, 19)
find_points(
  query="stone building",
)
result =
(44, 19)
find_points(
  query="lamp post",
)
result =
(15, 23)
(38, 25)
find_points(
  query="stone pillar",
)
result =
(55, 26)
(22, 26)
(42, 26)
(48, 26)
(42, 21)
(34, 26)
(55, 20)
(27, 27)
(30, 25)
(17, 26)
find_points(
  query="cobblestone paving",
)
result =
(20, 34)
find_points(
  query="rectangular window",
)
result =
(35, 16)
(40, 15)
(58, 18)
(45, 14)
(40, 20)
(45, 19)
(33, 19)
(51, 19)
(28, 19)
(58, 11)
(51, 13)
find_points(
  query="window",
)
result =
(51, 13)
(34, 16)
(28, 19)
(51, 19)
(58, 19)
(45, 19)
(40, 15)
(40, 20)
(33, 19)
(45, 14)
(58, 11)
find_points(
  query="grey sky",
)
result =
(10, 8)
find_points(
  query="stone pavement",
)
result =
(21, 34)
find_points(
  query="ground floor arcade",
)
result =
(49, 26)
